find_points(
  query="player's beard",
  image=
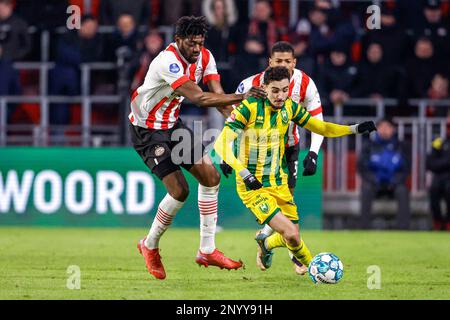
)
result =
(277, 107)
(193, 59)
(189, 58)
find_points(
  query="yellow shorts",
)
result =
(266, 202)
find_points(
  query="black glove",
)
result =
(366, 127)
(226, 169)
(310, 164)
(252, 183)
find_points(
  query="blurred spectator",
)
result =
(172, 10)
(260, 34)
(409, 13)
(9, 78)
(438, 162)
(439, 89)
(44, 14)
(9, 81)
(14, 38)
(384, 166)
(302, 52)
(421, 68)
(221, 15)
(254, 40)
(74, 48)
(111, 10)
(391, 37)
(153, 45)
(329, 29)
(434, 28)
(337, 76)
(376, 79)
(125, 40)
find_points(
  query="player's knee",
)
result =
(213, 179)
(180, 192)
(292, 237)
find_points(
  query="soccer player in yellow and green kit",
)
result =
(260, 127)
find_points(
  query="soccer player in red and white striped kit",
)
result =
(172, 76)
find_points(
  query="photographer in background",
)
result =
(384, 166)
(438, 162)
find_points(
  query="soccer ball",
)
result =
(326, 268)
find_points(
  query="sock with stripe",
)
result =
(167, 210)
(276, 240)
(301, 252)
(207, 204)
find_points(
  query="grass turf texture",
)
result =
(33, 264)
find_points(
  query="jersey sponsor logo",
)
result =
(241, 88)
(260, 199)
(174, 68)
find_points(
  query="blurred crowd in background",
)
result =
(407, 58)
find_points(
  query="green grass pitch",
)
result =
(34, 262)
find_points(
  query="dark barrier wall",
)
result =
(112, 187)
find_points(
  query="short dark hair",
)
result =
(191, 26)
(276, 74)
(282, 46)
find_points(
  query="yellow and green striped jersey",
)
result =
(262, 133)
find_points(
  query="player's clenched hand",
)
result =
(250, 180)
(310, 164)
(252, 183)
(256, 92)
(365, 127)
(226, 169)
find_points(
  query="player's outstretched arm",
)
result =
(327, 129)
(194, 93)
(332, 130)
(216, 87)
(224, 150)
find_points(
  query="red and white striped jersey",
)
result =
(302, 90)
(155, 105)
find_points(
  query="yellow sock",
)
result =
(275, 241)
(301, 252)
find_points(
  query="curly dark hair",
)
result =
(276, 74)
(191, 26)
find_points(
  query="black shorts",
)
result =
(162, 153)
(291, 155)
